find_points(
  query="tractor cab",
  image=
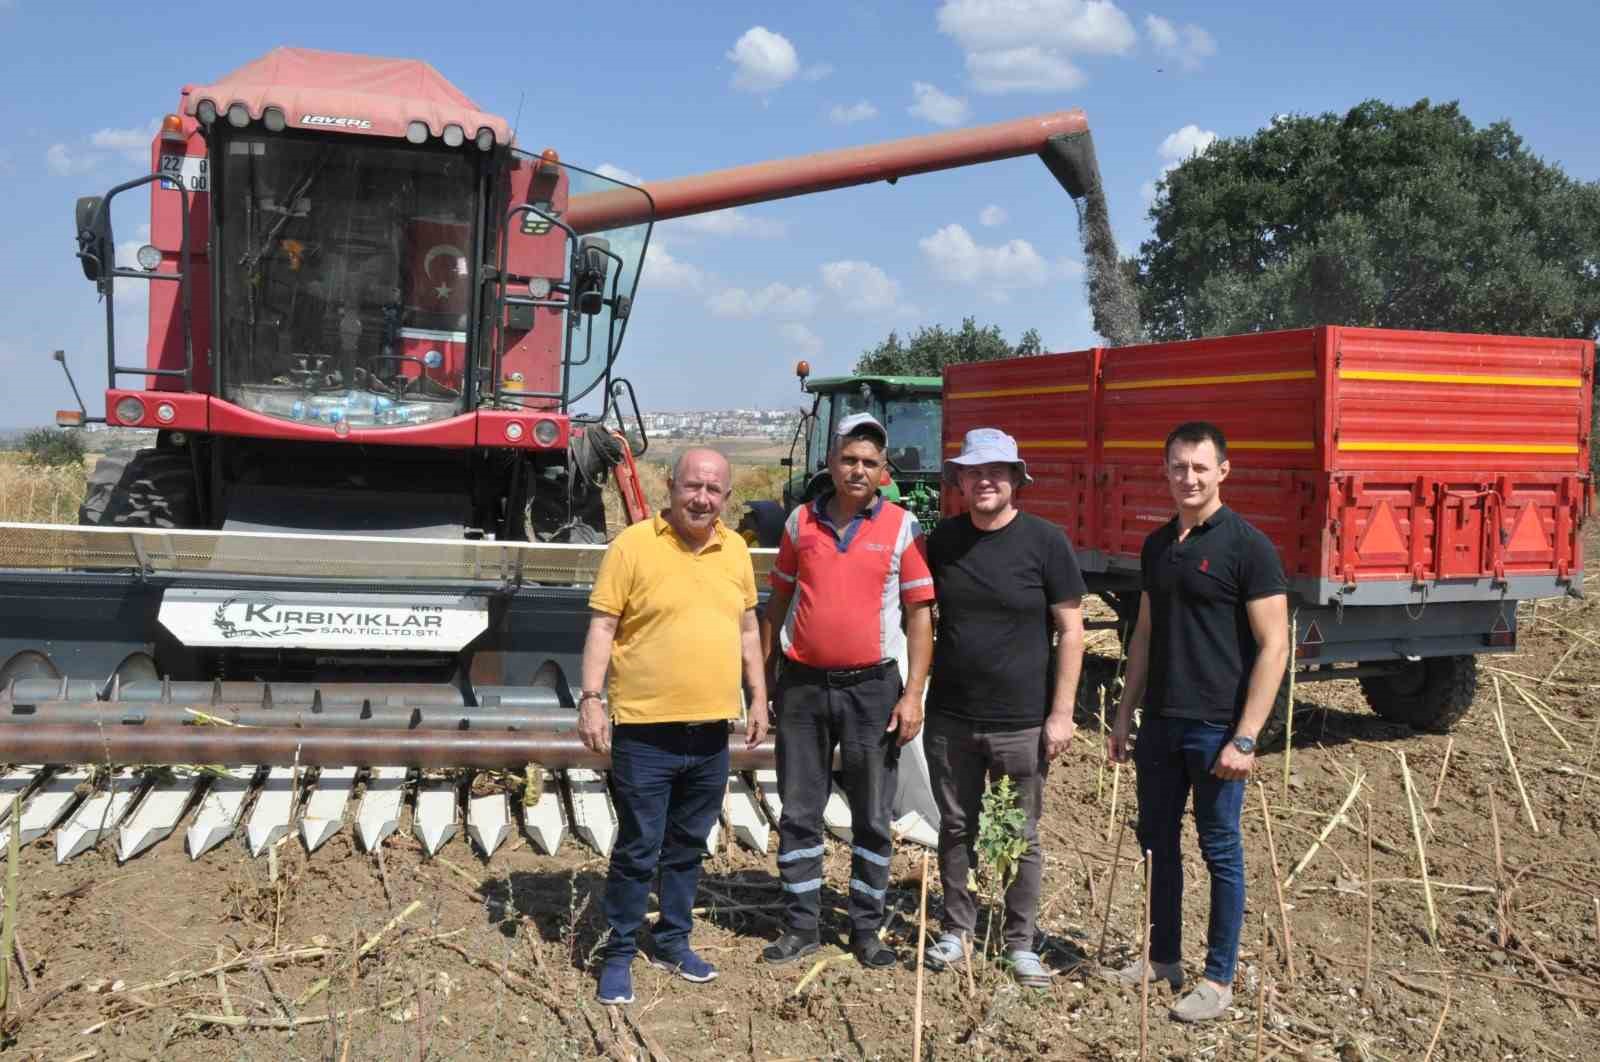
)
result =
(908, 406)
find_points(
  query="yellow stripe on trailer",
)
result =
(1237, 378)
(1246, 444)
(1017, 392)
(1460, 448)
(1387, 376)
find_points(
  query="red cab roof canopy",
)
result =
(349, 93)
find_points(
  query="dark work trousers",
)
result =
(667, 781)
(962, 757)
(814, 715)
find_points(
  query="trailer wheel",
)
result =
(1430, 694)
(1099, 679)
(140, 488)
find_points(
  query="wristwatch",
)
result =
(1246, 745)
(591, 695)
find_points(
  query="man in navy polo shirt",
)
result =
(850, 566)
(1206, 658)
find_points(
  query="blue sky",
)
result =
(729, 301)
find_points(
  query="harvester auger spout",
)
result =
(357, 558)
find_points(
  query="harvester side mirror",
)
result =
(95, 246)
(589, 275)
(623, 307)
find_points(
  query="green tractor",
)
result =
(908, 406)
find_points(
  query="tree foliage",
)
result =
(52, 447)
(1393, 217)
(930, 349)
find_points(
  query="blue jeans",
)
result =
(1174, 756)
(667, 780)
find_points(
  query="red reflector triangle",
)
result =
(1313, 634)
(1528, 535)
(1500, 624)
(1382, 535)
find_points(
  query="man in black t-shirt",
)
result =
(1206, 657)
(996, 705)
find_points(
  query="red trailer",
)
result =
(1417, 484)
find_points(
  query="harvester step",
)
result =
(220, 811)
(435, 820)
(158, 813)
(379, 815)
(274, 811)
(324, 813)
(97, 816)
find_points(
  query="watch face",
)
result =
(1244, 744)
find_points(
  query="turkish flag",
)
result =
(439, 269)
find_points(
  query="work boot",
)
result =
(787, 948)
(1205, 1003)
(946, 951)
(687, 965)
(1028, 970)
(1135, 972)
(616, 983)
(873, 953)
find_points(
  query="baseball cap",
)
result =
(862, 421)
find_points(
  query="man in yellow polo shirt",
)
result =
(674, 618)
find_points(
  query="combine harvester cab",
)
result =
(1417, 484)
(381, 365)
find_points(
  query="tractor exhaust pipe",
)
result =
(324, 747)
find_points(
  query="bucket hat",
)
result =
(986, 446)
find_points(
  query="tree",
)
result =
(931, 349)
(52, 447)
(1392, 217)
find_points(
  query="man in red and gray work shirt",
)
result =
(848, 563)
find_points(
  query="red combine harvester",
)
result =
(373, 505)
(1417, 484)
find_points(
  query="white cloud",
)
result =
(774, 300)
(764, 60)
(956, 256)
(801, 338)
(1029, 45)
(1185, 143)
(665, 272)
(617, 173)
(861, 285)
(992, 215)
(816, 72)
(859, 111)
(64, 162)
(1188, 44)
(936, 106)
(133, 143)
(730, 223)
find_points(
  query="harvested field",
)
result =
(343, 955)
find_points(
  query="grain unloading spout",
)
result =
(1061, 139)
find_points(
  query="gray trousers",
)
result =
(961, 758)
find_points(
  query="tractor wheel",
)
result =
(1430, 694)
(141, 488)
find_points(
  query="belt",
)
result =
(794, 671)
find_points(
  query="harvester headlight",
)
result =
(149, 257)
(341, 427)
(274, 120)
(484, 139)
(539, 287)
(433, 359)
(546, 432)
(238, 115)
(129, 410)
(417, 132)
(166, 413)
(454, 136)
(206, 111)
(514, 430)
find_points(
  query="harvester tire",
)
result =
(140, 488)
(1430, 695)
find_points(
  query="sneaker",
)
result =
(616, 984)
(1028, 970)
(873, 953)
(787, 948)
(946, 951)
(1134, 973)
(687, 965)
(1205, 1003)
